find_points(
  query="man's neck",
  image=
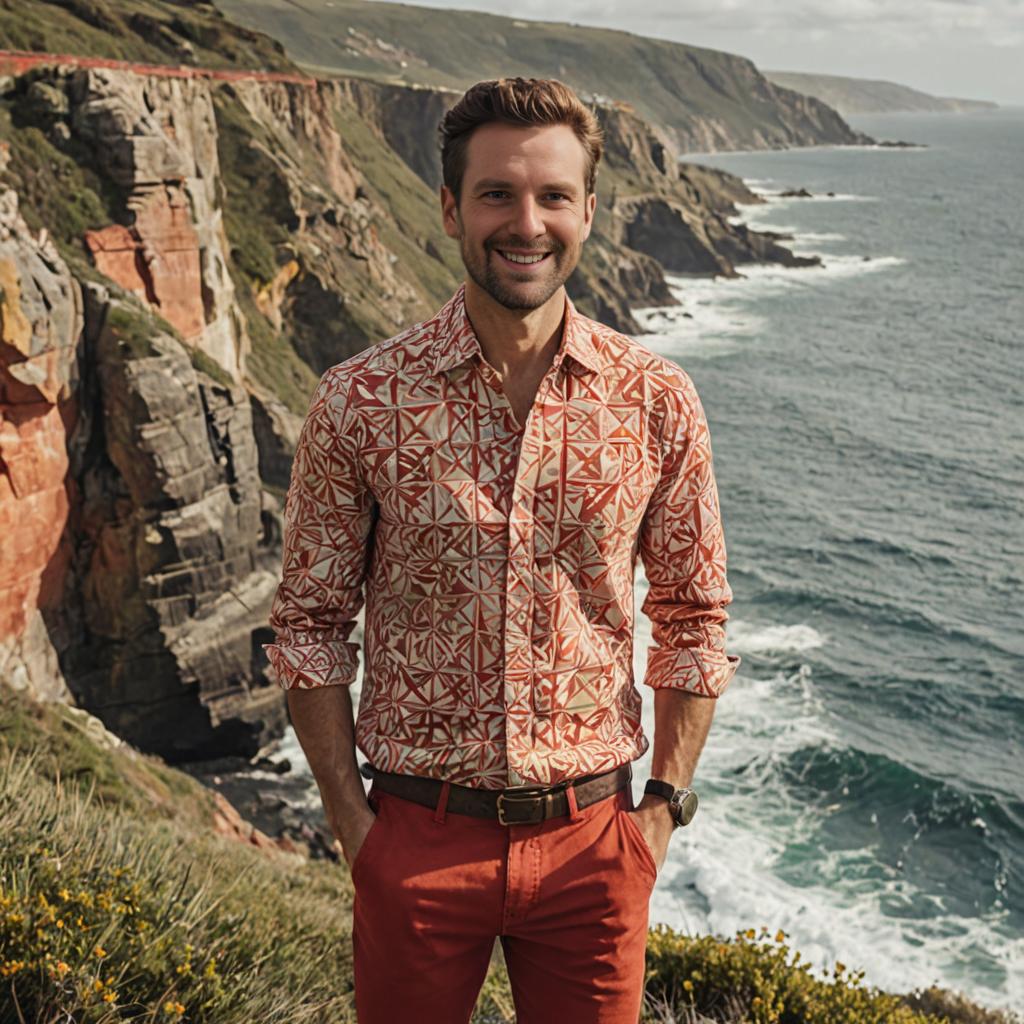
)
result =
(516, 342)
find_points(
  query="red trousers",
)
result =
(569, 898)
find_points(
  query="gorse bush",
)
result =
(103, 919)
(756, 978)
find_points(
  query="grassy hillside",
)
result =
(138, 30)
(868, 96)
(119, 901)
(692, 92)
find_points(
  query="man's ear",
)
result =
(450, 213)
(589, 206)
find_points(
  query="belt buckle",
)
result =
(522, 796)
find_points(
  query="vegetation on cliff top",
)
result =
(691, 91)
(118, 901)
(144, 31)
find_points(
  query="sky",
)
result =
(972, 49)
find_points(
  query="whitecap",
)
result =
(750, 638)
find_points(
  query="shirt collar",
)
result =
(456, 341)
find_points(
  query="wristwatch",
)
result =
(682, 802)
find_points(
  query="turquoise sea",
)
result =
(863, 782)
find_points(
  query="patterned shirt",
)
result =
(496, 560)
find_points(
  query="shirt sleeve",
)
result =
(682, 546)
(328, 523)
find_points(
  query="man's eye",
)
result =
(496, 192)
(558, 195)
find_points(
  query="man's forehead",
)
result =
(498, 154)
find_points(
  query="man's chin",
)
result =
(521, 300)
(524, 295)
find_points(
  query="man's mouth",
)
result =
(523, 259)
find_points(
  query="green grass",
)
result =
(414, 210)
(254, 190)
(672, 84)
(57, 191)
(119, 902)
(208, 365)
(148, 31)
(273, 363)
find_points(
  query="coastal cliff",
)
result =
(183, 251)
(871, 96)
(703, 100)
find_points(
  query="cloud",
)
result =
(994, 22)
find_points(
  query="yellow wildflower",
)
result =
(62, 967)
(109, 997)
(99, 951)
(780, 936)
(97, 985)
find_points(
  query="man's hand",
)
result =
(654, 819)
(350, 831)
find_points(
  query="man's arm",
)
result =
(328, 534)
(681, 724)
(325, 724)
(682, 545)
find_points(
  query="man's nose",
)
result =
(527, 221)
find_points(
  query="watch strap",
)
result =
(659, 788)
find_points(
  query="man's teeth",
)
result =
(516, 258)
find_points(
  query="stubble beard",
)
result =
(488, 278)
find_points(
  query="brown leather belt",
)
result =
(519, 805)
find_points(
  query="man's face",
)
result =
(523, 195)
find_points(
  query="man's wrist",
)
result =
(681, 801)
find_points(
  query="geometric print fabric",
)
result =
(496, 559)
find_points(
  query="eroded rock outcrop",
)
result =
(40, 324)
(154, 139)
(172, 578)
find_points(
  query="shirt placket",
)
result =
(520, 579)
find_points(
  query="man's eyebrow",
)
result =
(488, 183)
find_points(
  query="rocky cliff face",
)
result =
(40, 324)
(174, 565)
(193, 253)
(153, 140)
(138, 554)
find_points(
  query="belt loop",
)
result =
(441, 811)
(575, 814)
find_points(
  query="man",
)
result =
(491, 475)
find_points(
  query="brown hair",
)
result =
(523, 101)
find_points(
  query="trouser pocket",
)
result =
(638, 842)
(377, 803)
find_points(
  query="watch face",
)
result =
(684, 804)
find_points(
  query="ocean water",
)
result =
(862, 783)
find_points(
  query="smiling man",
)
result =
(486, 480)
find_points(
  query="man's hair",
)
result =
(521, 101)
